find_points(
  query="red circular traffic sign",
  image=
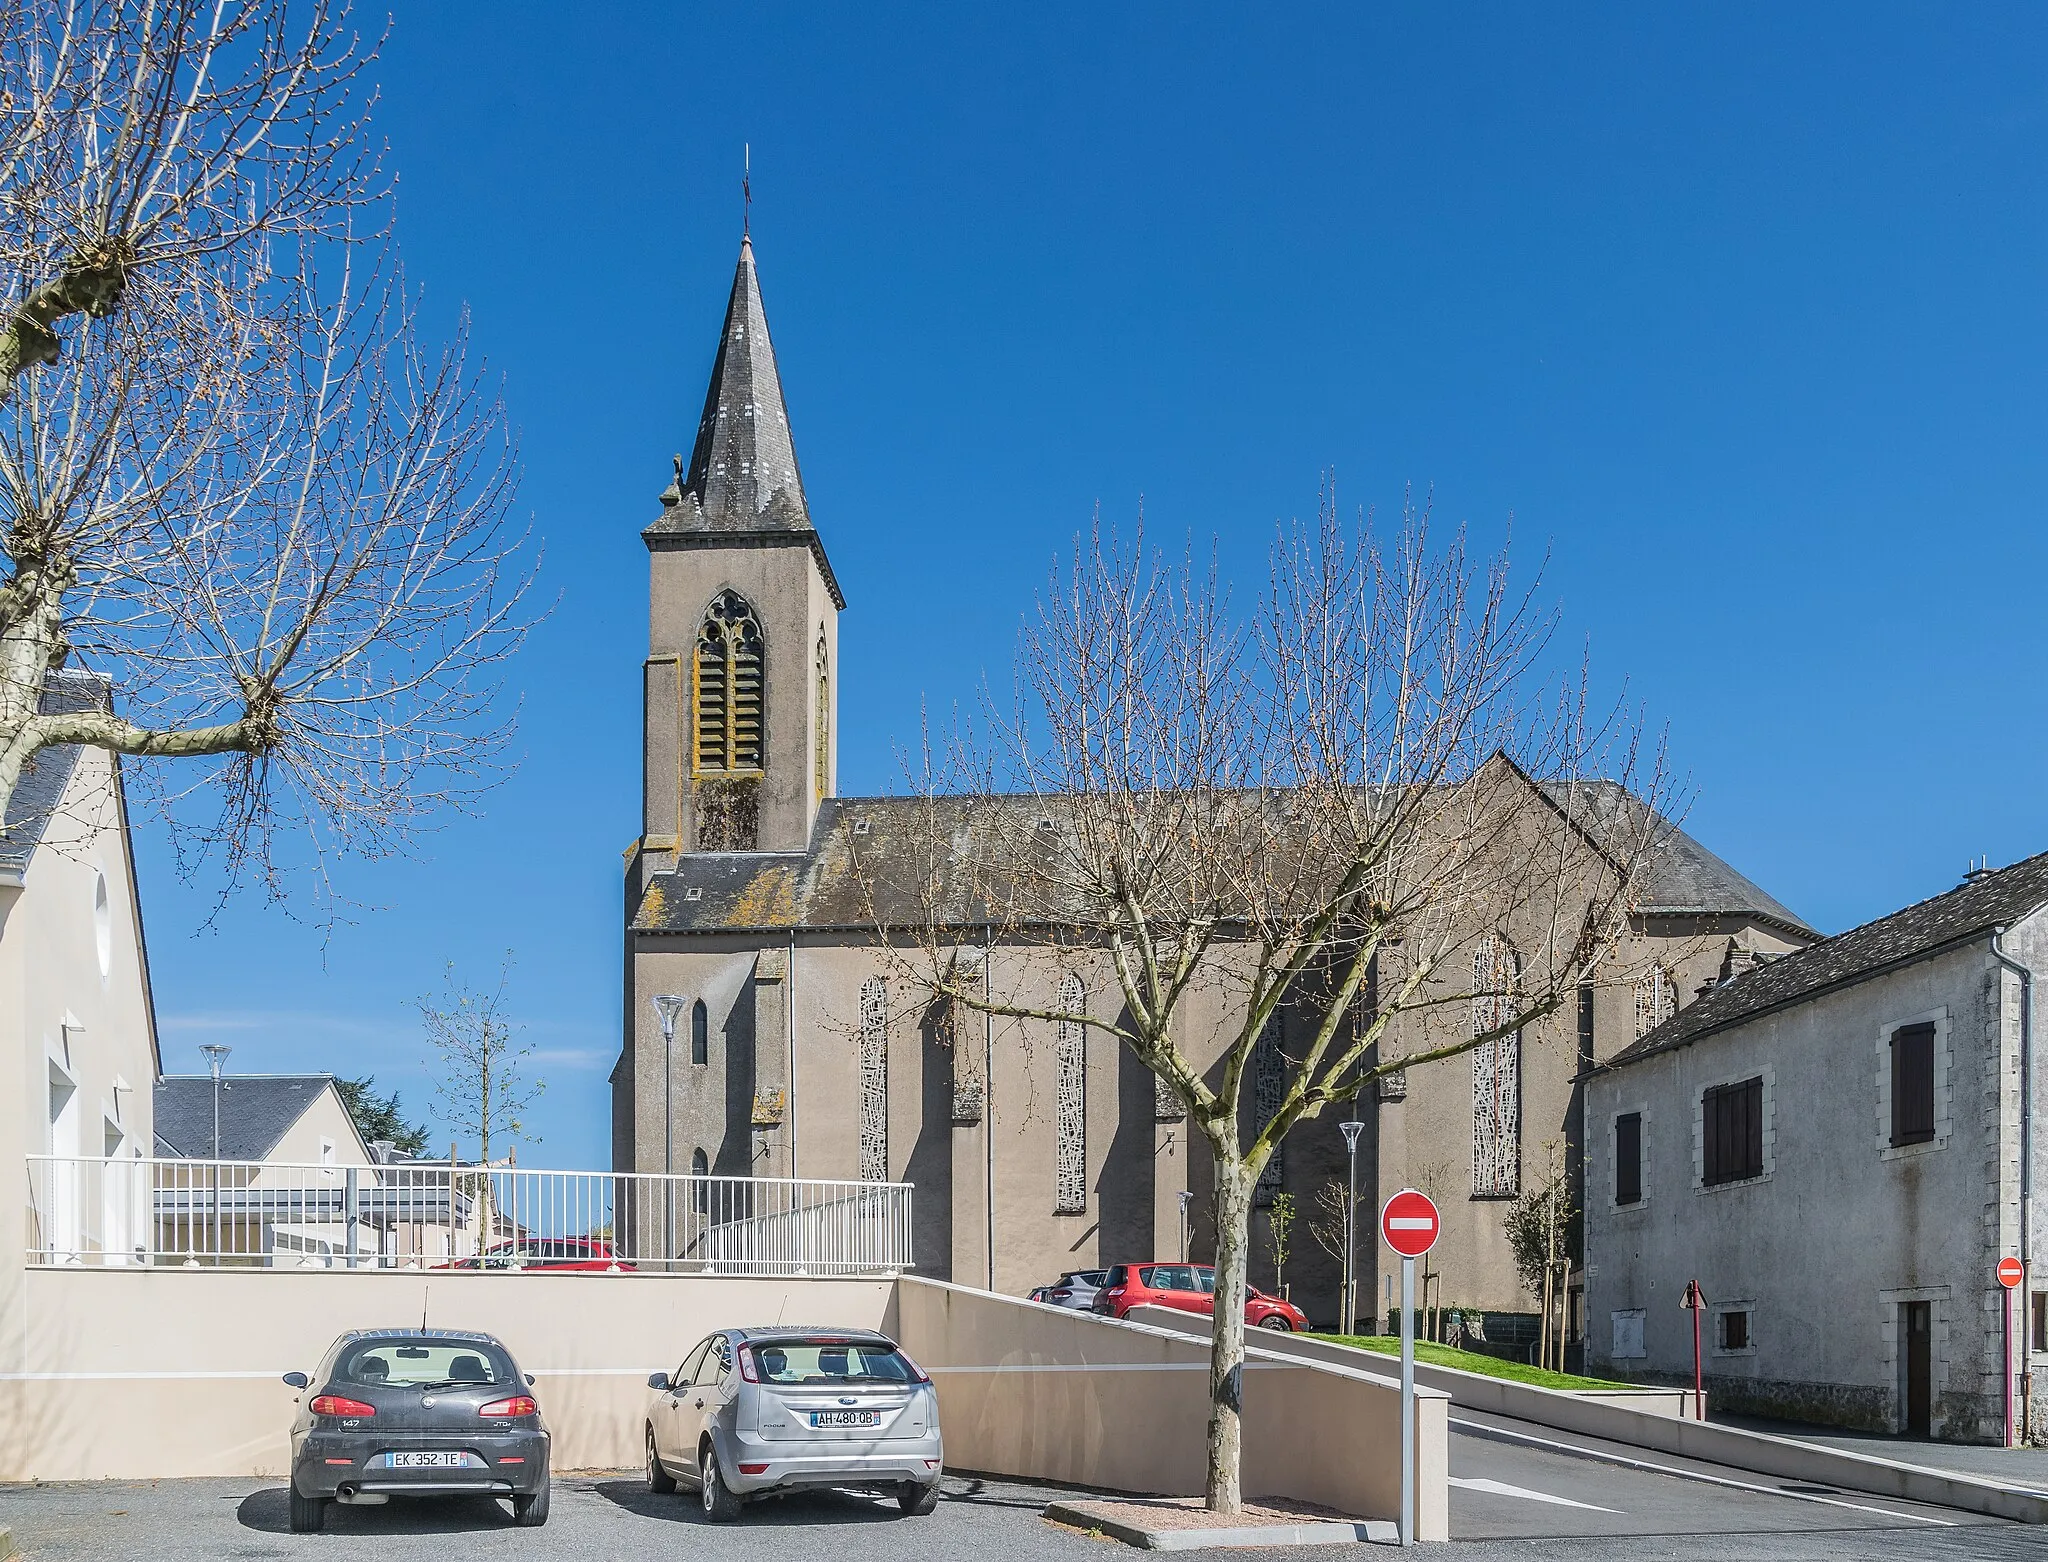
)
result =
(1410, 1223)
(2010, 1274)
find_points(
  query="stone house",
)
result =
(761, 1032)
(1839, 1147)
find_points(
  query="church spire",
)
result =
(742, 474)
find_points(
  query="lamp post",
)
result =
(1350, 1131)
(216, 1060)
(668, 1006)
(1187, 1197)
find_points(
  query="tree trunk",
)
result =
(1226, 1341)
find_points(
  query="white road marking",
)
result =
(1693, 1475)
(1503, 1489)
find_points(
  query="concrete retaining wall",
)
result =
(1051, 1394)
(1757, 1452)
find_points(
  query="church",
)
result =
(761, 1036)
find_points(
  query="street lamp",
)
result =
(1350, 1131)
(216, 1060)
(668, 1006)
(1187, 1197)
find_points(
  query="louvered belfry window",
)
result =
(874, 1081)
(1496, 1071)
(730, 689)
(1070, 1193)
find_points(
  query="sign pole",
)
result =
(2010, 1274)
(1407, 1401)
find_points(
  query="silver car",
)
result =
(757, 1411)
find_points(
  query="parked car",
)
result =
(416, 1413)
(1076, 1288)
(543, 1253)
(1190, 1288)
(754, 1411)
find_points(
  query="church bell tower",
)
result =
(741, 677)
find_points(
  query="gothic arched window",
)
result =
(874, 1081)
(700, 1191)
(730, 688)
(1656, 999)
(700, 1033)
(1070, 1053)
(1496, 1070)
(821, 764)
(1269, 1091)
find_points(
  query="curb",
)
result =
(1378, 1531)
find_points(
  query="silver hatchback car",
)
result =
(757, 1411)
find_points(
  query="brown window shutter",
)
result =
(1628, 1158)
(1913, 1084)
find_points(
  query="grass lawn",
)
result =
(1470, 1361)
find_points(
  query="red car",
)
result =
(544, 1253)
(1191, 1289)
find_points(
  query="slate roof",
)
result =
(48, 772)
(256, 1111)
(1970, 910)
(825, 887)
(742, 480)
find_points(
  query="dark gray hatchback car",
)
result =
(416, 1413)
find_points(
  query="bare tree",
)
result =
(478, 1058)
(246, 488)
(1361, 812)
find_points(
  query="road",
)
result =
(1518, 1491)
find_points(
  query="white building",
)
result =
(1836, 1146)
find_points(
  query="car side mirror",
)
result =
(529, 1380)
(296, 1379)
(657, 1380)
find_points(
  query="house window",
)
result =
(729, 686)
(700, 1033)
(2041, 1322)
(821, 762)
(326, 1152)
(1733, 1331)
(1656, 999)
(874, 1081)
(700, 1190)
(1628, 1158)
(1496, 1071)
(1071, 1059)
(1913, 1084)
(1269, 1090)
(1732, 1132)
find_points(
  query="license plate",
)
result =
(846, 1418)
(426, 1461)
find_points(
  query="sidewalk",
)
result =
(2026, 1467)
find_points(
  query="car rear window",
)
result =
(398, 1361)
(821, 1363)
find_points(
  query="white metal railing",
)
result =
(434, 1214)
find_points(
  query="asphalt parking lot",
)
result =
(1512, 1512)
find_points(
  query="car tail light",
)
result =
(336, 1405)
(1061, 1292)
(753, 1469)
(916, 1371)
(517, 1405)
(747, 1369)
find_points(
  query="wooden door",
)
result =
(1919, 1321)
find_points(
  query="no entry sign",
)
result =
(1410, 1223)
(2010, 1274)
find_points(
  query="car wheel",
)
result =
(1277, 1322)
(721, 1503)
(659, 1481)
(531, 1511)
(309, 1514)
(916, 1500)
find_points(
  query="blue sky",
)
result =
(1736, 310)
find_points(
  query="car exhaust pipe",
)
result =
(362, 1499)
